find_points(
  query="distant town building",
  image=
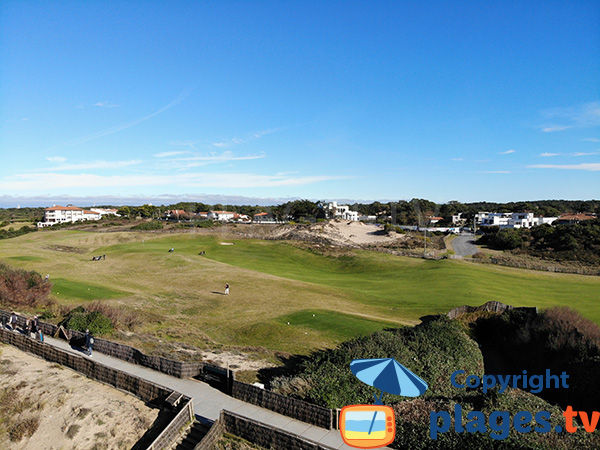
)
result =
(457, 219)
(434, 219)
(570, 219)
(263, 217)
(512, 220)
(174, 214)
(222, 216)
(61, 214)
(335, 211)
(106, 212)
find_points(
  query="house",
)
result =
(434, 219)
(569, 218)
(457, 219)
(240, 218)
(222, 216)
(512, 220)
(106, 212)
(60, 214)
(174, 214)
(335, 211)
(263, 217)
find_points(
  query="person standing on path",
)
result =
(227, 289)
(13, 321)
(89, 342)
(35, 325)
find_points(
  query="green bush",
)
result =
(559, 339)
(80, 319)
(432, 350)
(413, 424)
(206, 224)
(152, 225)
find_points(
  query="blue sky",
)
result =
(365, 100)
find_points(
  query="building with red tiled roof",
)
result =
(570, 218)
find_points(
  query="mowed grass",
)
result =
(73, 290)
(179, 295)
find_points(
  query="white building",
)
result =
(335, 211)
(105, 212)
(458, 220)
(512, 220)
(61, 214)
(222, 216)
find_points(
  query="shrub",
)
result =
(412, 424)
(21, 288)
(23, 428)
(80, 319)
(432, 350)
(558, 339)
(121, 318)
(151, 225)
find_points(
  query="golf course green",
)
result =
(282, 297)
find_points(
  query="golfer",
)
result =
(227, 289)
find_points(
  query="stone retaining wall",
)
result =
(175, 429)
(213, 435)
(298, 409)
(218, 377)
(132, 355)
(264, 435)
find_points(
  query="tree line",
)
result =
(405, 212)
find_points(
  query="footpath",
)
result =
(208, 401)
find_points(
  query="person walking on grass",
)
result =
(227, 289)
(89, 342)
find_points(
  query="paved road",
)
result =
(208, 402)
(464, 245)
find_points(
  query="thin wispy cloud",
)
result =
(124, 126)
(56, 158)
(591, 140)
(555, 128)
(250, 137)
(494, 171)
(223, 157)
(168, 154)
(593, 167)
(191, 144)
(94, 165)
(58, 181)
(457, 159)
(106, 105)
(585, 153)
(546, 155)
(507, 152)
(581, 116)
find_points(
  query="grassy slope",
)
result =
(273, 283)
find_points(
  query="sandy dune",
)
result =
(71, 411)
